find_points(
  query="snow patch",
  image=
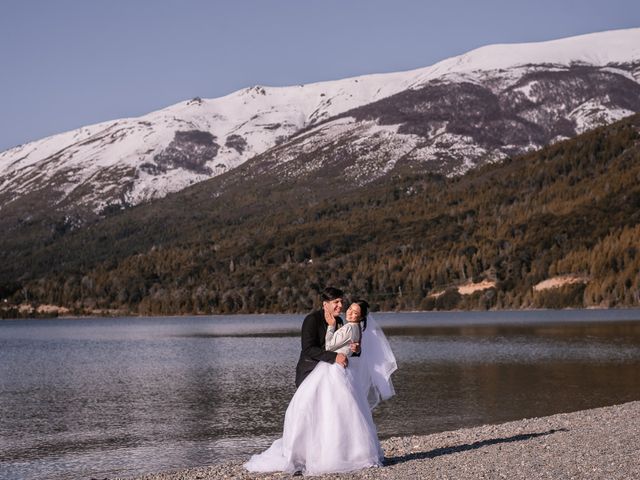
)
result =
(593, 113)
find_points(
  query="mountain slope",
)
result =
(449, 128)
(410, 241)
(478, 107)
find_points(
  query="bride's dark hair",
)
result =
(364, 310)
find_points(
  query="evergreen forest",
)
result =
(407, 241)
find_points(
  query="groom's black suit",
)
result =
(314, 329)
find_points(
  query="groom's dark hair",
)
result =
(331, 293)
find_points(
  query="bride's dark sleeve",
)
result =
(310, 346)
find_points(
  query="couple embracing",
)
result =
(343, 372)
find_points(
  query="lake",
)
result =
(104, 397)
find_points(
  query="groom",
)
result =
(314, 329)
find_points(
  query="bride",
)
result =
(328, 426)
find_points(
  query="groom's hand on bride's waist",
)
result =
(341, 359)
(355, 347)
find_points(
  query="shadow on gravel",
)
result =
(463, 448)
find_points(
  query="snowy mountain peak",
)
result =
(128, 161)
(598, 49)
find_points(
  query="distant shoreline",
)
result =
(180, 315)
(600, 443)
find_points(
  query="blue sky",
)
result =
(69, 63)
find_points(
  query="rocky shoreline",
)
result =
(602, 443)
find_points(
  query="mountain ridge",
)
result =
(128, 161)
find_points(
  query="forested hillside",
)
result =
(408, 242)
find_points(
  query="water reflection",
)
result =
(106, 397)
(623, 330)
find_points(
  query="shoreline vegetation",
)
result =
(600, 443)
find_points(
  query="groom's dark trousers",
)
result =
(314, 329)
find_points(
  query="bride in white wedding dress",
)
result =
(328, 426)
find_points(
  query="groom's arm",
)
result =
(310, 345)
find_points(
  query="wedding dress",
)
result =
(328, 426)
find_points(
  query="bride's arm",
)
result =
(336, 339)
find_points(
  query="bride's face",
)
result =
(353, 313)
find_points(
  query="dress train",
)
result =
(328, 427)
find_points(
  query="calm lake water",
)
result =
(83, 398)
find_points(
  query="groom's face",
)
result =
(333, 307)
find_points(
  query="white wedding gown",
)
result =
(328, 426)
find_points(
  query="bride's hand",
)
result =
(330, 319)
(341, 359)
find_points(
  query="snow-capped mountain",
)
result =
(449, 127)
(484, 105)
(488, 104)
(129, 161)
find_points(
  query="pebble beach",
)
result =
(602, 443)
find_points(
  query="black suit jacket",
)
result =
(314, 329)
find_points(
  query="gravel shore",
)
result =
(602, 443)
